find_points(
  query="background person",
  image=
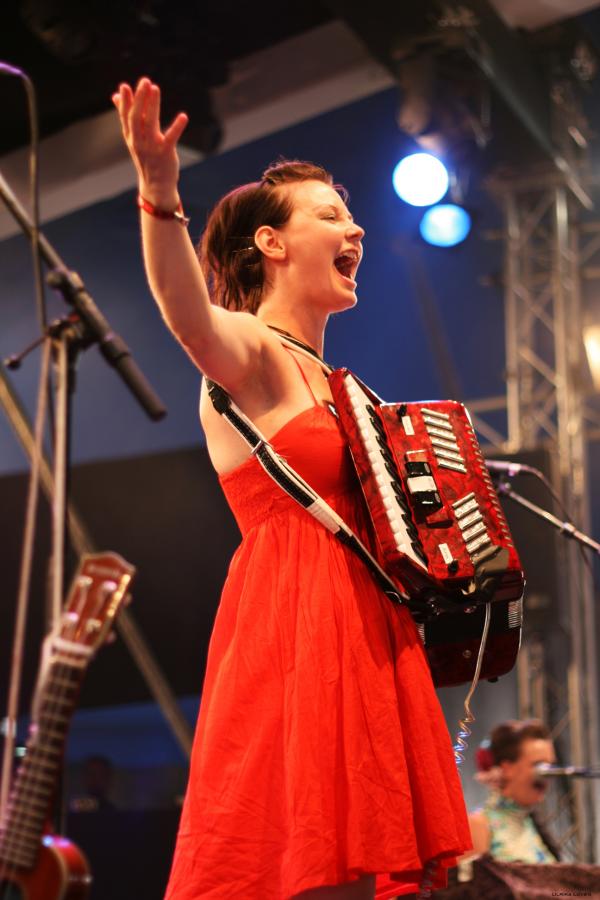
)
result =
(96, 777)
(506, 825)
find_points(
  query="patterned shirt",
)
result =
(513, 833)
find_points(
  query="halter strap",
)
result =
(288, 340)
(292, 352)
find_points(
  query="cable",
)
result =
(34, 191)
(34, 200)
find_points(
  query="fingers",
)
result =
(176, 128)
(151, 115)
(132, 106)
(139, 112)
(137, 115)
(122, 96)
(123, 100)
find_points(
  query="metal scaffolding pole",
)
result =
(545, 406)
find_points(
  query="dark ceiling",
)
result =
(77, 52)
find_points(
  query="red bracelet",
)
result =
(152, 210)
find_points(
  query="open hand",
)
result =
(154, 152)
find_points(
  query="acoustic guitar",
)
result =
(35, 864)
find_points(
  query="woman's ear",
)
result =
(269, 242)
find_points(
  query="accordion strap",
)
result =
(297, 488)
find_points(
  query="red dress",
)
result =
(321, 752)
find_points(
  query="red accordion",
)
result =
(441, 532)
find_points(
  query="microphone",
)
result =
(7, 69)
(548, 771)
(510, 468)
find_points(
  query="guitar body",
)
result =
(61, 872)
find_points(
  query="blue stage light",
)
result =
(445, 225)
(420, 179)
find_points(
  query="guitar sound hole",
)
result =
(10, 891)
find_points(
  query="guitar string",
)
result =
(15, 844)
(14, 841)
(62, 670)
(15, 835)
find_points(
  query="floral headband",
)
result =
(487, 772)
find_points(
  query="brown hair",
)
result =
(232, 264)
(507, 738)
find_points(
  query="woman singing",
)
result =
(506, 827)
(321, 757)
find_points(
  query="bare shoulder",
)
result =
(480, 831)
(253, 330)
(241, 327)
(262, 387)
(254, 344)
(261, 395)
(233, 350)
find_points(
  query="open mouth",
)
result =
(347, 264)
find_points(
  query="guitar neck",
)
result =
(99, 588)
(31, 796)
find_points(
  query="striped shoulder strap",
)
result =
(296, 487)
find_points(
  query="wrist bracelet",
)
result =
(152, 210)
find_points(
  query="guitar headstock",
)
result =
(98, 589)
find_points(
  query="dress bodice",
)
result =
(312, 443)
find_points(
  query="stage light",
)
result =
(591, 340)
(420, 179)
(445, 225)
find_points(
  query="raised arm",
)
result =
(225, 345)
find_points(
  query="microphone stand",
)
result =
(504, 487)
(96, 328)
(70, 335)
(568, 771)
